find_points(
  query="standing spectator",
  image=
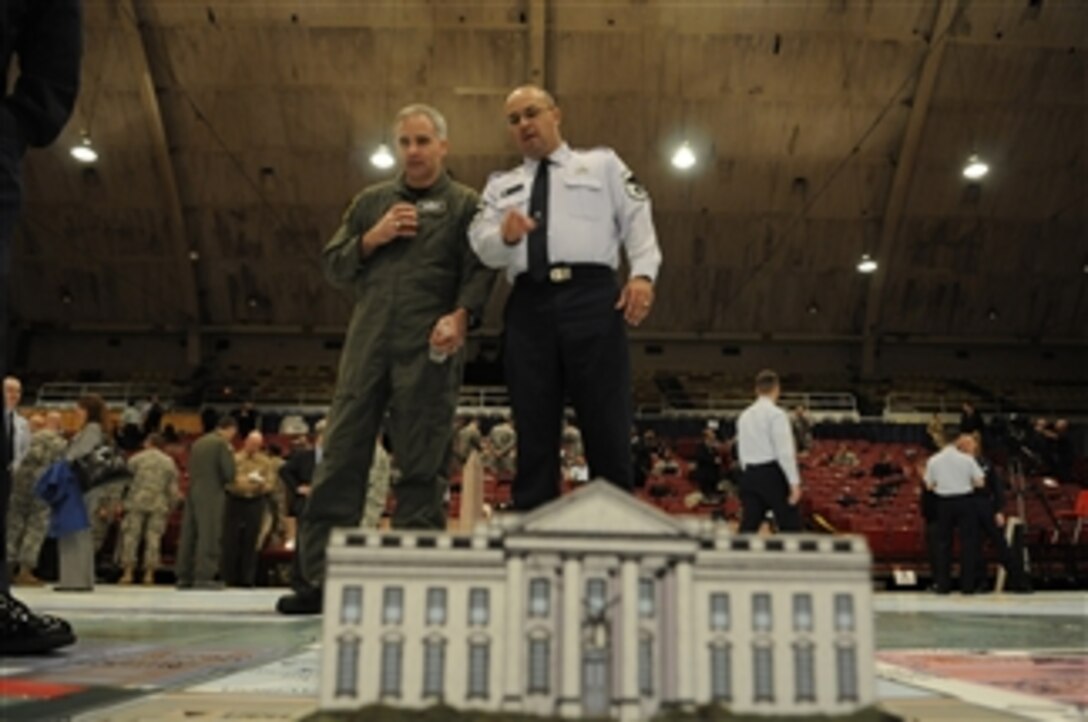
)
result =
(935, 431)
(46, 35)
(802, 429)
(247, 498)
(152, 415)
(989, 501)
(28, 518)
(129, 436)
(248, 419)
(151, 497)
(971, 420)
(377, 491)
(211, 469)
(209, 417)
(570, 443)
(503, 439)
(402, 251)
(708, 466)
(77, 549)
(953, 476)
(770, 478)
(298, 478)
(557, 224)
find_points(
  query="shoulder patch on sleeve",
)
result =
(635, 189)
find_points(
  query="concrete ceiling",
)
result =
(237, 132)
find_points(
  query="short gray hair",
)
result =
(431, 113)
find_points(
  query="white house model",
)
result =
(598, 604)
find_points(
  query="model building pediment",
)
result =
(600, 508)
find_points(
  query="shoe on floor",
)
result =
(23, 632)
(303, 601)
(26, 578)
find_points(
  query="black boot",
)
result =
(306, 600)
(23, 632)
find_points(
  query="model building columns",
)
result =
(513, 678)
(629, 693)
(685, 653)
(570, 692)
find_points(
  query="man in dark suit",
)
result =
(46, 35)
(297, 475)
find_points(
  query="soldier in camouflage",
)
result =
(377, 490)
(152, 495)
(504, 448)
(28, 517)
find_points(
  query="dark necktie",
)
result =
(538, 211)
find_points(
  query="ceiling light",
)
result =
(813, 309)
(84, 152)
(684, 157)
(194, 255)
(382, 158)
(975, 168)
(992, 314)
(866, 264)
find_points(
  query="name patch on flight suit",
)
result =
(431, 207)
(511, 190)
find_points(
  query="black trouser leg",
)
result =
(945, 526)
(765, 487)
(535, 380)
(597, 372)
(967, 522)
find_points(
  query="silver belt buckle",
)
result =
(560, 274)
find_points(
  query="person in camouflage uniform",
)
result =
(152, 495)
(503, 440)
(28, 517)
(377, 490)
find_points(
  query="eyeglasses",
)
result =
(529, 113)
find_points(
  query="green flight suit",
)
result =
(400, 291)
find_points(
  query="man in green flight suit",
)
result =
(403, 253)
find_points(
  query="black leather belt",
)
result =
(566, 272)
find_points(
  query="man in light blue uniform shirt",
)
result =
(767, 454)
(953, 476)
(556, 223)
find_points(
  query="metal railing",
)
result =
(58, 394)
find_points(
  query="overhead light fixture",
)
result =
(975, 168)
(684, 157)
(992, 313)
(84, 152)
(194, 255)
(382, 158)
(866, 264)
(813, 309)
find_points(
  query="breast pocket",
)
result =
(518, 201)
(584, 197)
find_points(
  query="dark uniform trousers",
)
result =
(421, 396)
(568, 337)
(957, 513)
(765, 487)
(988, 529)
(241, 529)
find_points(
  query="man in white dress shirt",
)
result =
(556, 223)
(953, 476)
(770, 479)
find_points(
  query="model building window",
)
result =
(434, 667)
(595, 596)
(436, 606)
(479, 607)
(804, 671)
(719, 612)
(391, 672)
(844, 613)
(347, 666)
(647, 600)
(802, 612)
(763, 673)
(540, 598)
(540, 661)
(393, 605)
(351, 605)
(846, 669)
(761, 612)
(721, 674)
(646, 665)
(479, 662)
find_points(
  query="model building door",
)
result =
(596, 697)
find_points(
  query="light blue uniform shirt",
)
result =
(595, 206)
(764, 435)
(950, 472)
